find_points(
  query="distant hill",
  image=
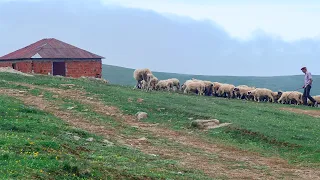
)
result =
(124, 76)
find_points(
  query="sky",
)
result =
(291, 20)
(205, 37)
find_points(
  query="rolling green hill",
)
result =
(123, 76)
(66, 128)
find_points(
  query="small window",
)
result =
(14, 66)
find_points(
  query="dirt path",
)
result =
(222, 166)
(313, 113)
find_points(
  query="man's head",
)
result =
(304, 69)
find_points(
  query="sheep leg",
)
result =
(272, 99)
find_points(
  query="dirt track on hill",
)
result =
(215, 160)
(313, 113)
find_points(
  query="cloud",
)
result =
(292, 20)
(143, 38)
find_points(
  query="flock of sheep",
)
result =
(146, 80)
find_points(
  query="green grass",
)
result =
(124, 76)
(259, 127)
(34, 144)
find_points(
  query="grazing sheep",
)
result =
(226, 90)
(241, 92)
(152, 83)
(176, 82)
(195, 87)
(164, 85)
(144, 84)
(291, 97)
(216, 86)
(295, 98)
(276, 95)
(184, 85)
(317, 98)
(261, 94)
(208, 88)
(149, 77)
(141, 74)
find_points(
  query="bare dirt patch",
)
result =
(224, 165)
(313, 113)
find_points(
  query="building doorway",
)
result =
(59, 68)
(14, 66)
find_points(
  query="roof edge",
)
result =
(50, 59)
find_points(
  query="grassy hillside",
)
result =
(123, 76)
(46, 124)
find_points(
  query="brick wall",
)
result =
(77, 69)
(5, 64)
(24, 66)
(42, 67)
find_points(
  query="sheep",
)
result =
(295, 98)
(141, 74)
(241, 91)
(216, 86)
(276, 95)
(144, 84)
(164, 84)
(152, 83)
(261, 94)
(317, 98)
(197, 87)
(149, 77)
(291, 97)
(184, 85)
(208, 86)
(226, 90)
(176, 82)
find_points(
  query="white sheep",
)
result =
(197, 87)
(261, 94)
(152, 83)
(141, 74)
(176, 82)
(242, 91)
(226, 90)
(290, 97)
(164, 85)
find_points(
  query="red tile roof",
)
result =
(50, 49)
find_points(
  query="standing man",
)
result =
(307, 87)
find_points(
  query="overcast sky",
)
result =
(209, 37)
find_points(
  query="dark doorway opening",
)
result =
(59, 68)
(14, 66)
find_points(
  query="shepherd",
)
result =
(307, 87)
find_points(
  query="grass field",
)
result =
(40, 143)
(124, 76)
